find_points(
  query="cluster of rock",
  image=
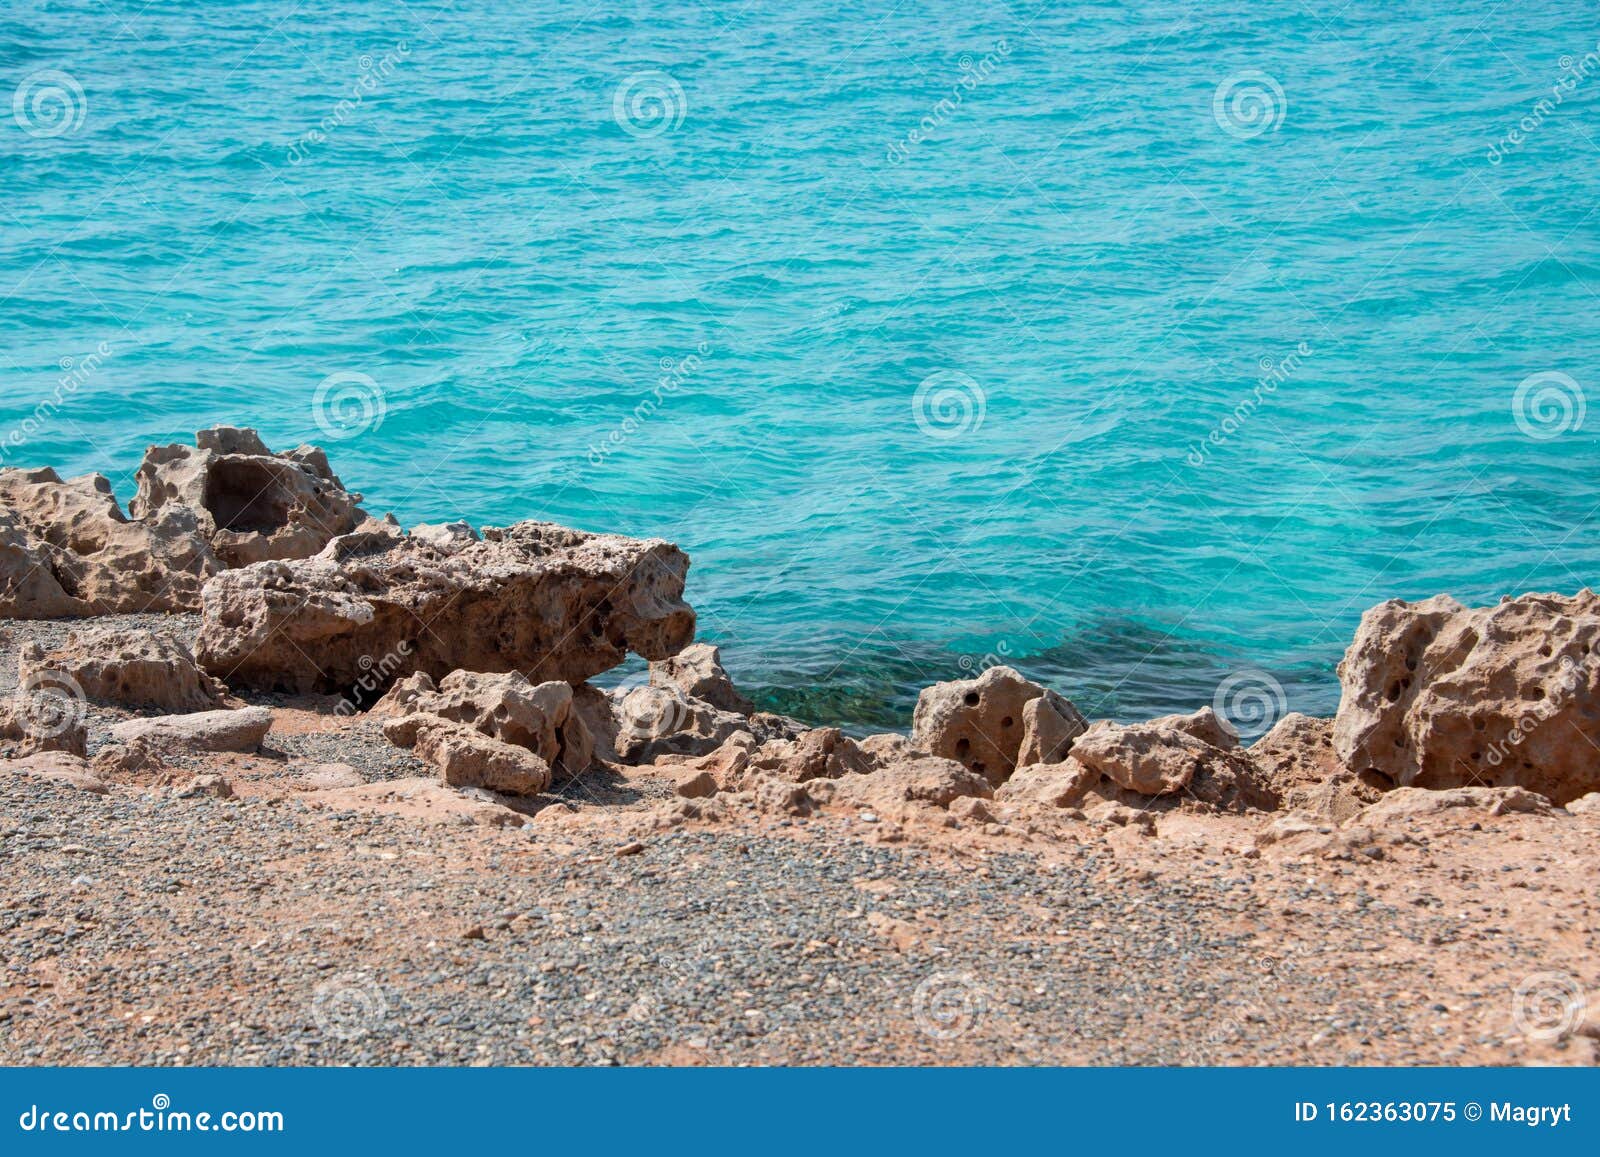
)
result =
(67, 550)
(476, 651)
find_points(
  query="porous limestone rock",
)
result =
(67, 550)
(127, 667)
(1061, 784)
(1436, 695)
(924, 779)
(697, 672)
(821, 753)
(465, 757)
(645, 723)
(1410, 802)
(503, 706)
(550, 602)
(240, 730)
(43, 715)
(1193, 754)
(1049, 725)
(980, 722)
(248, 503)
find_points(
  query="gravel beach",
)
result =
(149, 925)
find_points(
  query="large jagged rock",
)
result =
(1296, 760)
(503, 706)
(1439, 696)
(980, 722)
(465, 757)
(1193, 754)
(127, 667)
(67, 550)
(697, 672)
(550, 602)
(249, 504)
(1063, 784)
(645, 723)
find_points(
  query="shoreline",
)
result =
(494, 859)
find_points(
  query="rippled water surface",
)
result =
(1137, 346)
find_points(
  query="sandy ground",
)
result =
(398, 923)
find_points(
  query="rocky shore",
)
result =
(282, 782)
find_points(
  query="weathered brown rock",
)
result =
(1436, 695)
(648, 723)
(248, 503)
(1049, 725)
(1410, 803)
(980, 722)
(924, 779)
(550, 602)
(241, 730)
(465, 757)
(58, 767)
(1193, 754)
(697, 672)
(504, 706)
(1298, 750)
(1057, 784)
(129, 668)
(822, 753)
(67, 549)
(45, 713)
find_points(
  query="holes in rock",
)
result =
(247, 497)
(971, 699)
(1007, 722)
(963, 746)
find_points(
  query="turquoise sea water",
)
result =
(1138, 346)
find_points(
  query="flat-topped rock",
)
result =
(127, 667)
(538, 598)
(241, 730)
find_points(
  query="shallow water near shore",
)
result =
(1105, 375)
